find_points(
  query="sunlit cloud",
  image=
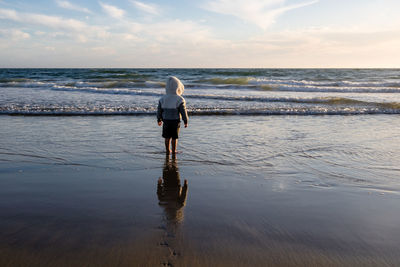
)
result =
(262, 13)
(8, 14)
(173, 41)
(104, 50)
(129, 37)
(79, 28)
(70, 6)
(182, 30)
(148, 8)
(44, 20)
(40, 33)
(14, 34)
(321, 47)
(112, 11)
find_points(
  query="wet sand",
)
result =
(87, 197)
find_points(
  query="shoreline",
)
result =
(221, 114)
(263, 191)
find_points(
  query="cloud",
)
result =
(104, 50)
(78, 28)
(8, 14)
(262, 13)
(113, 11)
(194, 45)
(44, 20)
(185, 43)
(14, 34)
(320, 47)
(148, 8)
(70, 6)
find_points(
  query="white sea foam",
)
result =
(209, 91)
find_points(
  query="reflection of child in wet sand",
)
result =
(171, 195)
(171, 107)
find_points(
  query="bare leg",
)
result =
(167, 142)
(174, 144)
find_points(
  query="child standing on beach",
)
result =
(171, 108)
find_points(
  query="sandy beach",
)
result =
(99, 191)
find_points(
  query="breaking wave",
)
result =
(87, 92)
(207, 112)
(237, 80)
(293, 106)
(215, 83)
(315, 100)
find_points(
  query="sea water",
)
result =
(303, 190)
(322, 188)
(207, 91)
(333, 149)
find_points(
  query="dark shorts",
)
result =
(171, 129)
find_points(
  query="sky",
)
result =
(201, 33)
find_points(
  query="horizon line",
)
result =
(199, 67)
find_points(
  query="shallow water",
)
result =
(361, 151)
(275, 190)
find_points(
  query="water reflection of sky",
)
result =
(326, 151)
(326, 184)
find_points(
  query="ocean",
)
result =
(207, 91)
(279, 167)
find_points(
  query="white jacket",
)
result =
(172, 106)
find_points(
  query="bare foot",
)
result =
(168, 152)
